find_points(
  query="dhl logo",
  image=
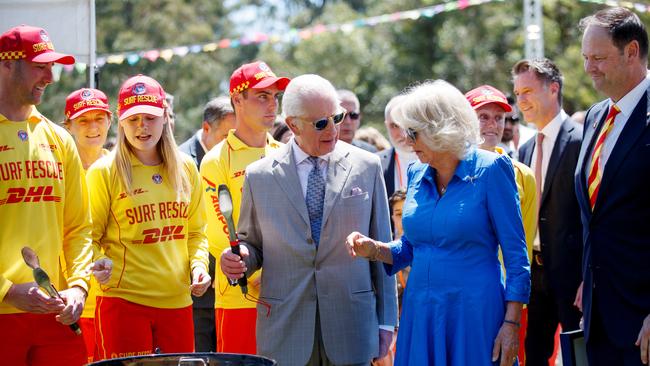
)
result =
(157, 235)
(31, 194)
(211, 186)
(238, 174)
(132, 193)
(5, 148)
(47, 147)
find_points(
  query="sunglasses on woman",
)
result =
(411, 134)
(321, 124)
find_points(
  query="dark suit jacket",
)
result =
(387, 157)
(193, 148)
(616, 264)
(560, 230)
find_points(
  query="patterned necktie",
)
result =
(314, 199)
(596, 168)
(538, 167)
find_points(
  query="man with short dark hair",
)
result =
(44, 204)
(552, 155)
(612, 188)
(218, 119)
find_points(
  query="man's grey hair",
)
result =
(303, 89)
(349, 95)
(391, 104)
(216, 110)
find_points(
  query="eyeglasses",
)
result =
(353, 115)
(321, 124)
(411, 134)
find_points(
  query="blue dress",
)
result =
(455, 299)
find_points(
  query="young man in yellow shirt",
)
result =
(254, 91)
(44, 205)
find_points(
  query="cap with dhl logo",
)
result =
(140, 94)
(256, 75)
(32, 44)
(486, 94)
(85, 100)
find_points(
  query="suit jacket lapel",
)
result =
(389, 177)
(198, 149)
(338, 172)
(286, 175)
(528, 156)
(556, 156)
(633, 130)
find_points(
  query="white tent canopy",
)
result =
(70, 24)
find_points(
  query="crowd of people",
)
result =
(491, 234)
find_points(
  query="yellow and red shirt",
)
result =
(93, 290)
(525, 179)
(226, 164)
(43, 204)
(153, 237)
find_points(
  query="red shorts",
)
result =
(38, 339)
(87, 326)
(236, 330)
(126, 329)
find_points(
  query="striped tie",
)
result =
(596, 169)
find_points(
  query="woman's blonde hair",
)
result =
(441, 115)
(172, 161)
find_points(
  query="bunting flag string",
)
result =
(641, 8)
(293, 36)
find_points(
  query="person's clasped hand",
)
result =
(102, 270)
(360, 245)
(200, 281)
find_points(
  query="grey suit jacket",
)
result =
(353, 295)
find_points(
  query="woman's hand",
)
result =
(361, 245)
(200, 281)
(102, 270)
(506, 344)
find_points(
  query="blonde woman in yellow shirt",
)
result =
(149, 227)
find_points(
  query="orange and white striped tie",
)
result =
(596, 169)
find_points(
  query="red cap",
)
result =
(256, 75)
(84, 100)
(140, 94)
(486, 94)
(32, 44)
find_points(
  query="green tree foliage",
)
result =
(469, 47)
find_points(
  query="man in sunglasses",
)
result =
(326, 308)
(254, 93)
(348, 128)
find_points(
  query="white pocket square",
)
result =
(355, 191)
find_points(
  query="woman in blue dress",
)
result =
(461, 206)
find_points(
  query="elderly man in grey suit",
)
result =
(298, 207)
